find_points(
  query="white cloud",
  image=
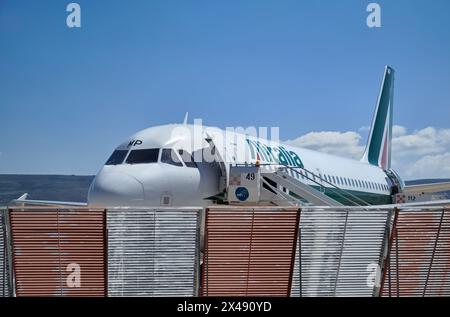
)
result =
(398, 130)
(422, 142)
(365, 128)
(338, 143)
(423, 153)
(430, 166)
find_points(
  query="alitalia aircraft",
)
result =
(166, 165)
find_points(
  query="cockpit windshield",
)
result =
(187, 158)
(117, 157)
(169, 156)
(143, 156)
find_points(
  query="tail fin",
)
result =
(378, 148)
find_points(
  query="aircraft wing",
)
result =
(23, 201)
(427, 188)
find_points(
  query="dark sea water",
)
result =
(44, 187)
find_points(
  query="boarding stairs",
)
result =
(303, 185)
(286, 185)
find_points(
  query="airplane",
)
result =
(166, 166)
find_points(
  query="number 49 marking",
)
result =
(250, 176)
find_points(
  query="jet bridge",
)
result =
(283, 185)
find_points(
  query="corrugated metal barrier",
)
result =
(4, 276)
(153, 252)
(341, 252)
(249, 251)
(58, 252)
(419, 254)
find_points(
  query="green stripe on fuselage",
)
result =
(370, 198)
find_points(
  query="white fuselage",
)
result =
(158, 183)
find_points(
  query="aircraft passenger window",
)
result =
(187, 158)
(117, 157)
(169, 156)
(143, 156)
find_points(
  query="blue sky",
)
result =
(69, 96)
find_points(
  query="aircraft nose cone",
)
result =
(115, 189)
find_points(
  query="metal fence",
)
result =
(419, 254)
(4, 270)
(153, 252)
(249, 251)
(58, 252)
(340, 252)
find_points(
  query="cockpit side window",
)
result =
(169, 156)
(187, 158)
(117, 157)
(143, 156)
